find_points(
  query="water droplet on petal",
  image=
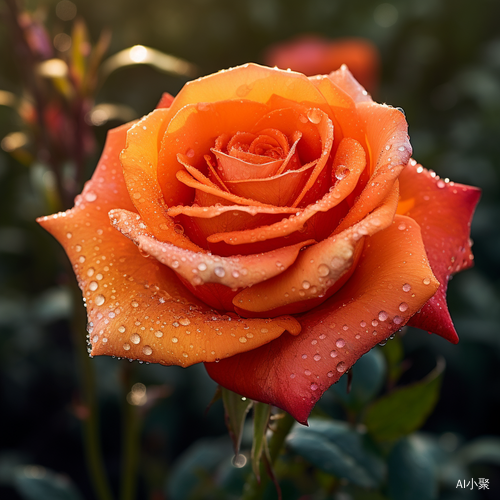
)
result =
(135, 338)
(126, 347)
(99, 300)
(340, 343)
(147, 350)
(219, 271)
(314, 386)
(93, 286)
(314, 116)
(334, 354)
(403, 306)
(406, 287)
(317, 357)
(382, 316)
(427, 281)
(323, 270)
(175, 340)
(341, 367)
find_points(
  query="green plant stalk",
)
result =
(131, 436)
(92, 446)
(252, 489)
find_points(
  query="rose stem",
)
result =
(252, 489)
(93, 452)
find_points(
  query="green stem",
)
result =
(93, 452)
(131, 443)
(252, 489)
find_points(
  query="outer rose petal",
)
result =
(293, 372)
(136, 307)
(140, 162)
(444, 211)
(320, 270)
(199, 268)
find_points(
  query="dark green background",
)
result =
(441, 64)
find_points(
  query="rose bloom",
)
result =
(316, 55)
(270, 225)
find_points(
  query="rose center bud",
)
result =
(249, 156)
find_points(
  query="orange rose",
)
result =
(315, 55)
(270, 225)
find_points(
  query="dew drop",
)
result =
(126, 347)
(93, 286)
(317, 357)
(362, 324)
(242, 340)
(135, 338)
(330, 374)
(159, 333)
(306, 285)
(382, 316)
(307, 372)
(402, 226)
(190, 153)
(202, 266)
(147, 350)
(121, 329)
(440, 184)
(184, 321)
(426, 281)
(323, 270)
(134, 304)
(90, 196)
(341, 367)
(90, 271)
(99, 300)
(406, 287)
(69, 236)
(340, 343)
(314, 386)
(175, 340)
(334, 354)
(397, 320)
(342, 172)
(403, 306)
(219, 271)
(314, 115)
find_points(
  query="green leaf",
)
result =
(261, 414)
(404, 410)
(339, 450)
(235, 409)
(33, 482)
(412, 471)
(367, 379)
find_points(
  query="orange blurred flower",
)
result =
(268, 224)
(314, 55)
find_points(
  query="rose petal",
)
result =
(139, 160)
(351, 156)
(192, 132)
(293, 372)
(236, 169)
(280, 190)
(136, 307)
(319, 271)
(200, 268)
(214, 211)
(249, 81)
(444, 211)
(389, 152)
(343, 78)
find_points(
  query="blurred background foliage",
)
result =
(441, 64)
